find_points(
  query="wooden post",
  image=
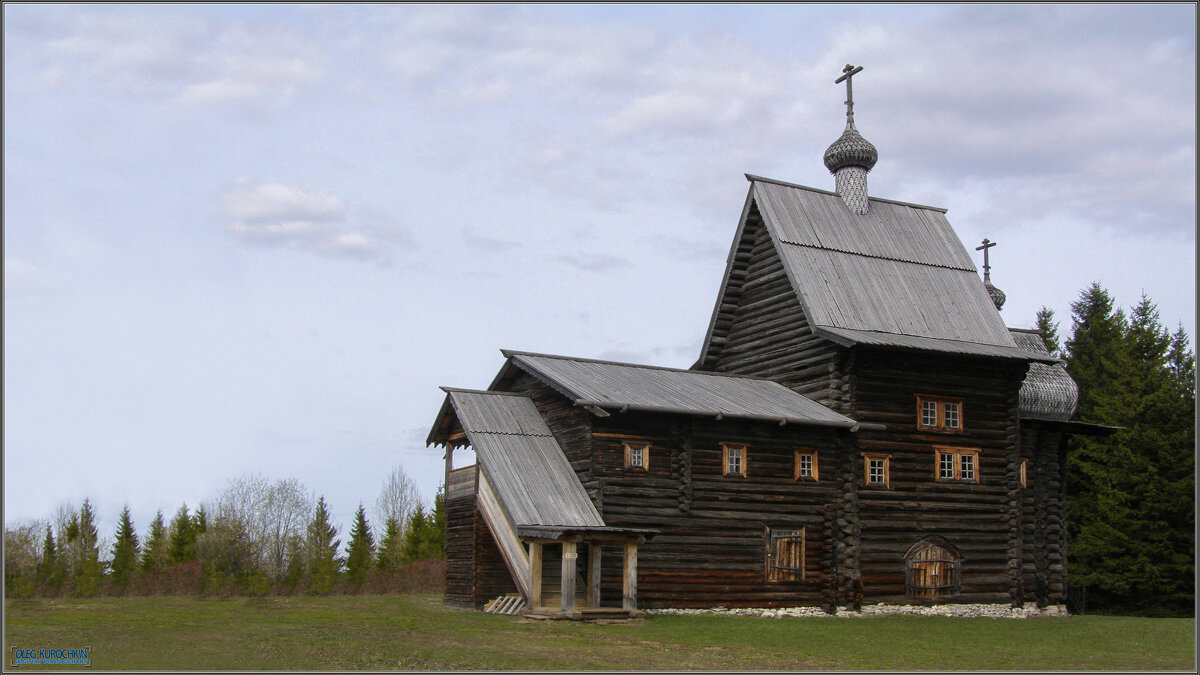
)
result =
(569, 556)
(629, 577)
(593, 586)
(535, 574)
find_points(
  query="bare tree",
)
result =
(397, 499)
(269, 513)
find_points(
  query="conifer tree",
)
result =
(88, 571)
(390, 555)
(1130, 511)
(437, 533)
(1048, 327)
(51, 571)
(125, 551)
(360, 552)
(419, 537)
(323, 562)
(154, 555)
(181, 543)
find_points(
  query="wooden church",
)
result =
(860, 427)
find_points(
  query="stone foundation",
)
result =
(998, 611)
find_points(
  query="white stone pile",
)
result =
(973, 610)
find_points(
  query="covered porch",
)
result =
(555, 587)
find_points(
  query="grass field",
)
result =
(415, 632)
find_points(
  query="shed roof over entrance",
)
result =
(520, 458)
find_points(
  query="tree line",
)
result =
(1130, 496)
(258, 537)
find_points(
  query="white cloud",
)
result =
(277, 214)
(178, 55)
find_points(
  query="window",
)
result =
(733, 459)
(931, 570)
(936, 413)
(785, 555)
(637, 456)
(806, 465)
(957, 464)
(1024, 475)
(875, 468)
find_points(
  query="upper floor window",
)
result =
(637, 456)
(733, 459)
(876, 470)
(938, 413)
(957, 464)
(806, 465)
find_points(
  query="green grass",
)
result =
(415, 632)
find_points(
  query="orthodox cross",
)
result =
(849, 72)
(987, 269)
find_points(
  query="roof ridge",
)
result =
(462, 390)
(752, 178)
(509, 353)
(880, 257)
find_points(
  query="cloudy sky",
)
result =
(245, 238)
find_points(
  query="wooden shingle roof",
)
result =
(626, 386)
(896, 276)
(517, 452)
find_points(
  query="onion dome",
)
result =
(995, 294)
(851, 150)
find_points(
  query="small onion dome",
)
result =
(996, 295)
(851, 150)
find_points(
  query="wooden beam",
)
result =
(593, 585)
(535, 574)
(569, 555)
(629, 578)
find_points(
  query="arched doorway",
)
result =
(932, 569)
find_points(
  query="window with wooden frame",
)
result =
(956, 464)
(876, 470)
(785, 554)
(1024, 473)
(637, 456)
(806, 465)
(733, 459)
(938, 413)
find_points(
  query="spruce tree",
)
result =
(154, 555)
(360, 552)
(181, 543)
(437, 533)
(416, 536)
(390, 555)
(1048, 327)
(52, 570)
(323, 562)
(88, 572)
(1130, 508)
(125, 551)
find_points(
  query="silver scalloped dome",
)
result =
(851, 150)
(996, 295)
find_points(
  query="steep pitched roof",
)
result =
(1048, 392)
(517, 452)
(897, 276)
(627, 386)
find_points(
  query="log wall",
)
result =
(460, 538)
(761, 329)
(712, 549)
(982, 520)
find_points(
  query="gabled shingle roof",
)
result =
(611, 385)
(517, 452)
(897, 276)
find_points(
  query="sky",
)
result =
(257, 238)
